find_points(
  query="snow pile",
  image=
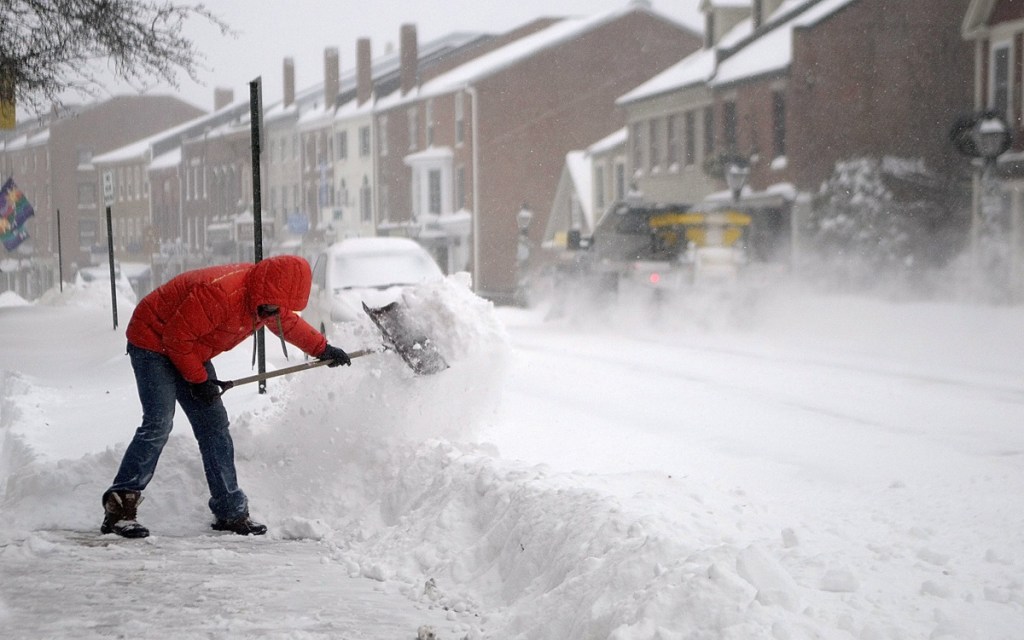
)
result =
(11, 299)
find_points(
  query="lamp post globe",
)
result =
(736, 175)
(991, 137)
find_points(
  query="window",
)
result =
(365, 206)
(729, 126)
(638, 146)
(654, 138)
(460, 120)
(430, 122)
(620, 181)
(1001, 79)
(709, 132)
(460, 187)
(84, 158)
(413, 128)
(364, 141)
(672, 141)
(779, 123)
(382, 135)
(86, 195)
(341, 145)
(690, 122)
(434, 191)
(599, 187)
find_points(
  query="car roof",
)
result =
(374, 245)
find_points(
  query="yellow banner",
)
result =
(7, 114)
(6, 103)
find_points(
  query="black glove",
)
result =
(208, 392)
(335, 355)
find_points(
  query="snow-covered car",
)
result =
(371, 270)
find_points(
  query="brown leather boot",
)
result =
(120, 508)
(242, 525)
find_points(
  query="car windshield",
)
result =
(368, 270)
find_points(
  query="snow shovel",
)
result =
(404, 336)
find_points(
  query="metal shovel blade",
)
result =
(403, 335)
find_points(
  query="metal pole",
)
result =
(110, 259)
(60, 257)
(255, 126)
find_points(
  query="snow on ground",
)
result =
(769, 465)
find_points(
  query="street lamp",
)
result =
(736, 174)
(986, 136)
(523, 218)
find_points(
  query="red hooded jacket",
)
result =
(200, 314)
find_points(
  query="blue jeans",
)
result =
(160, 385)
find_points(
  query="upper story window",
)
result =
(672, 141)
(690, 123)
(414, 131)
(1000, 81)
(729, 126)
(638, 146)
(779, 123)
(341, 144)
(709, 132)
(364, 141)
(430, 122)
(460, 120)
(654, 139)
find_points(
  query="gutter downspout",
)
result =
(474, 108)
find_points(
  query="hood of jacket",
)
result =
(283, 281)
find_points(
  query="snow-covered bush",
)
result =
(880, 224)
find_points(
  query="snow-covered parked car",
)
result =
(371, 270)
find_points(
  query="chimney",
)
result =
(289, 82)
(408, 57)
(332, 76)
(222, 97)
(364, 72)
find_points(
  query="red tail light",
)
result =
(654, 278)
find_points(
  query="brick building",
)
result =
(52, 160)
(791, 88)
(461, 153)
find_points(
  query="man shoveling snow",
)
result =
(173, 335)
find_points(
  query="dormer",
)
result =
(722, 15)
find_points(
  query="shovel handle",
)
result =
(228, 384)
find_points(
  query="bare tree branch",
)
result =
(48, 47)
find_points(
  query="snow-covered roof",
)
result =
(27, 140)
(773, 51)
(502, 58)
(610, 141)
(137, 149)
(166, 161)
(697, 68)
(430, 153)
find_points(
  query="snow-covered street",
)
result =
(769, 466)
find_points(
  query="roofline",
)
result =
(976, 17)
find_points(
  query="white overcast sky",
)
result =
(270, 30)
